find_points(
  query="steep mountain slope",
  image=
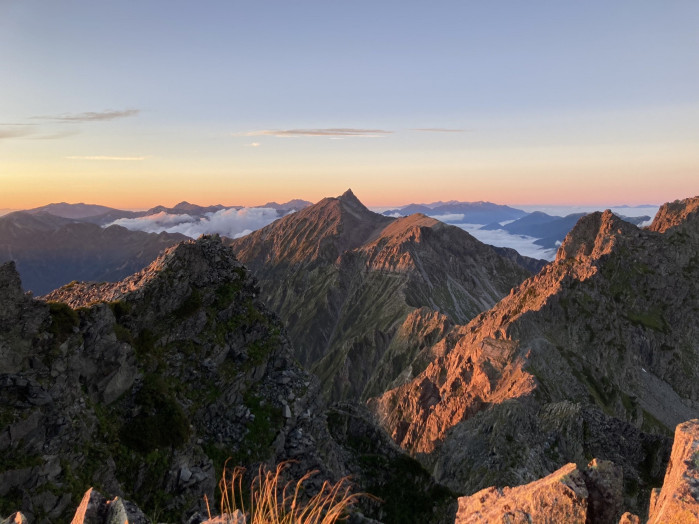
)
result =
(51, 251)
(597, 355)
(144, 387)
(345, 280)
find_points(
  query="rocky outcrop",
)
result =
(674, 213)
(95, 509)
(678, 500)
(144, 387)
(568, 495)
(594, 495)
(596, 355)
(353, 277)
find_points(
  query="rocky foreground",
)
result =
(594, 494)
(571, 495)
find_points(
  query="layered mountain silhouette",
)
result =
(458, 212)
(51, 251)
(595, 356)
(549, 230)
(566, 385)
(363, 294)
(103, 215)
(58, 243)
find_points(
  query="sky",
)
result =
(137, 103)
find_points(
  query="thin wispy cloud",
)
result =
(101, 157)
(91, 116)
(56, 136)
(253, 144)
(11, 131)
(332, 132)
(439, 130)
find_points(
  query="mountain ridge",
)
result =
(604, 334)
(352, 277)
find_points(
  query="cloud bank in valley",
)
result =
(523, 244)
(232, 223)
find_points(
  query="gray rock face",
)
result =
(142, 388)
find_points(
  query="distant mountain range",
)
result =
(50, 251)
(548, 230)
(58, 243)
(454, 212)
(103, 215)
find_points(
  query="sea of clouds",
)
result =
(235, 223)
(526, 245)
(232, 223)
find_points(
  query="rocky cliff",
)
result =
(594, 494)
(570, 495)
(596, 355)
(143, 388)
(678, 500)
(346, 280)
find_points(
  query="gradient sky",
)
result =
(138, 103)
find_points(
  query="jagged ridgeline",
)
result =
(142, 387)
(596, 356)
(363, 294)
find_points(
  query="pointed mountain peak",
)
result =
(350, 203)
(594, 235)
(348, 197)
(672, 214)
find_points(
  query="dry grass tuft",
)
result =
(270, 503)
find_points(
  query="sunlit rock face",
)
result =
(346, 280)
(595, 356)
(594, 494)
(678, 500)
(570, 495)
